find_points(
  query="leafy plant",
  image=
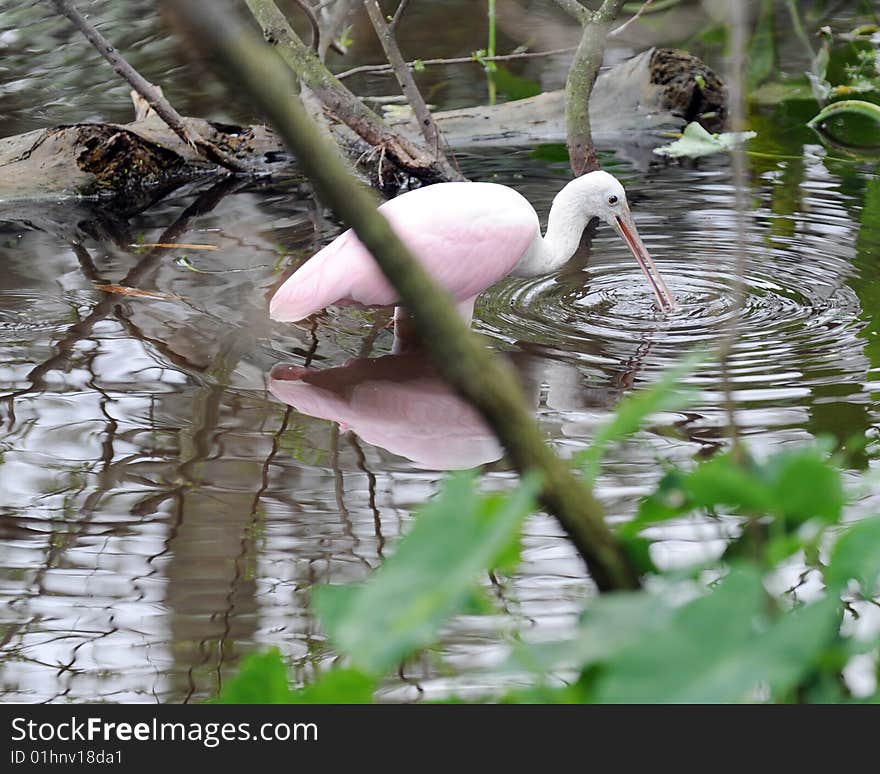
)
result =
(711, 633)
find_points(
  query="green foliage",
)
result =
(262, 679)
(696, 142)
(720, 648)
(430, 577)
(856, 555)
(795, 486)
(711, 633)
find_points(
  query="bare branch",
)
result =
(574, 9)
(150, 92)
(618, 30)
(408, 86)
(341, 103)
(386, 68)
(313, 20)
(398, 15)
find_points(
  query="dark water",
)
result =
(163, 513)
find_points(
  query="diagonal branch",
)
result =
(405, 78)
(487, 383)
(619, 30)
(398, 15)
(150, 92)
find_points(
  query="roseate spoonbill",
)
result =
(468, 236)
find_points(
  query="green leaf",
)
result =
(856, 554)
(430, 577)
(262, 679)
(846, 106)
(804, 484)
(667, 394)
(611, 622)
(696, 142)
(796, 486)
(338, 686)
(720, 648)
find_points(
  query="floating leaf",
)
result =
(175, 245)
(125, 290)
(847, 106)
(430, 577)
(515, 87)
(696, 142)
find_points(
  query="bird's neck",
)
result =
(565, 225)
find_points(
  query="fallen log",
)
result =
(632, 105)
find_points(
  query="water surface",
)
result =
(164, 513)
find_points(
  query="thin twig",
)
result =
(618, 30)
(386, 68)
(428, 127)
(150, 92)
(398, 15)
(313, 20)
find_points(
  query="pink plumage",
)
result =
(466, 235)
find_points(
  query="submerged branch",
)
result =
(478, 375)
(149, 91)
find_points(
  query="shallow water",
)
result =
(163, 513)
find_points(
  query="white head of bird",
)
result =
(593, 195)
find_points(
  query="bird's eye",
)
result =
(612, 200)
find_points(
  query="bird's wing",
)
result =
(467, 235)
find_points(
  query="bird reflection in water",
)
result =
(397, 402)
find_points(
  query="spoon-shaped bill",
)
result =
(626, 227)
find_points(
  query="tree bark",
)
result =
(581, 78)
